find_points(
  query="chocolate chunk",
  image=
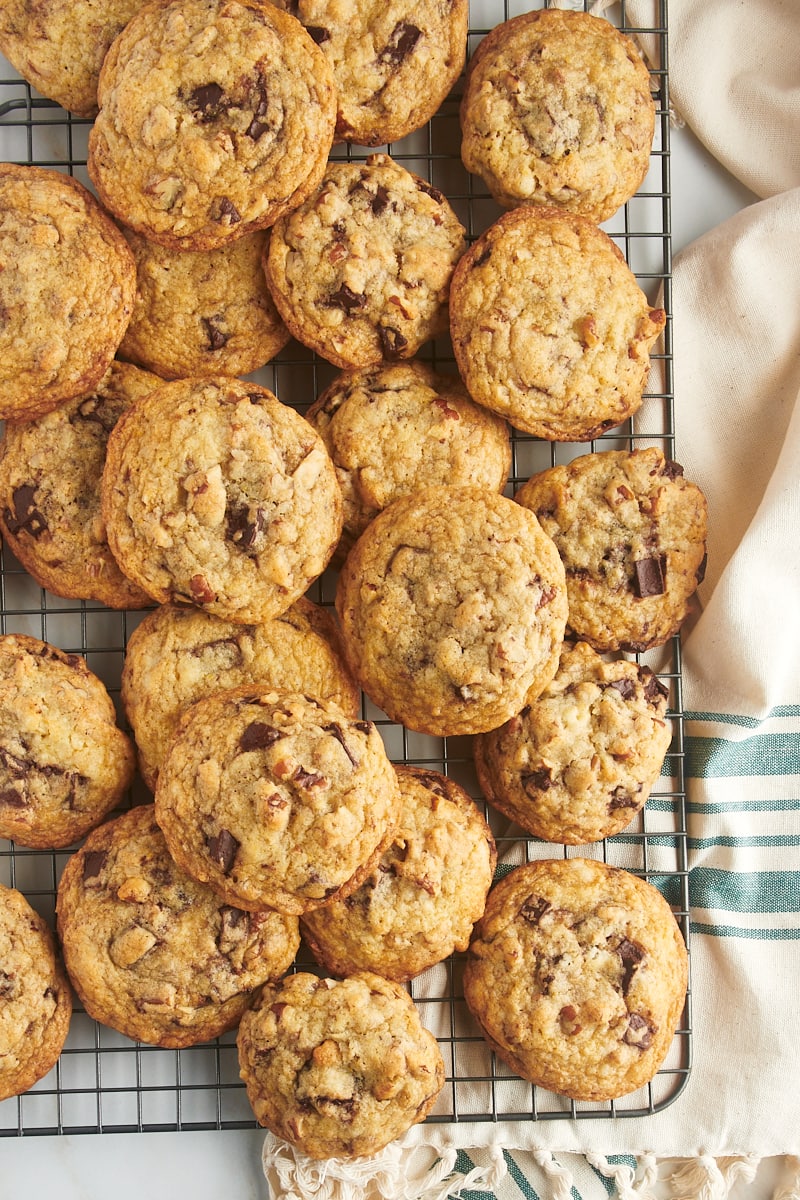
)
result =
(217, 338)
(431, 191)
(534, 909)
(631, 954)
(308, 779)
(318, 33)
(97, 409)
(639, 1032)
(11, 798)
(8, 986)
(234, 928)
(402, 41)
(25, 516)
(537, 781)
(347, 299)
(393, 343)
(206, 101)
(672, 469)
(700, 573)
(654, 689)
(365, 727)
(259, 736)
(258, 126)
(433, 783)
(483, 257)
(229, 648)
(625, 687)
(621, 798)
(380, 200)
(650, 576)
(222, 849)
(227, 212)
(93, 863)
(337, 732)
(245, 527)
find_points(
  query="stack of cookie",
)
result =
(138, 469)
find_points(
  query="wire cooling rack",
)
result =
(104, 1082)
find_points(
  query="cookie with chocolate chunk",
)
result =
(576, 977)
(578, 763)
(394, 428)
(151, 952)
(631, 532)
(550, 326)
(424, 896)
(35, 997)
(202, 312)
(215, 117)
(178, 655)
(452, 610)
(557, 110)
(50, 472)
(361, 271)
(67, 286)
(338, 1068)
(275, 799)
(393, 61)
(64, 763)
(215, 494)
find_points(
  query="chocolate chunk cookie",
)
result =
(453, 610)
(216, 116)
(427, 891)
(398, 427)
(215, 494)
(178, 655)
(202, 312)
(393, 61)
(557, 110)
(276, 800)
(67, 285)
(50, 472)
(577, 977)
(151, 952)
(550, 327)
(35, 998)
(578, 763)
(64, 764)
(361, 271)
(631, 532)
(338, 1068)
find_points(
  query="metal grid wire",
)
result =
(103, 1081)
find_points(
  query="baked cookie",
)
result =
(151, 952)
(50, 472)
(339, 1068)
(276, 800)
(577, 977)
(557, 110)
(397, 427)
(64, 764)
(361, 271)
(178, 655)
(578, 763)
(393, 61)
(35, 997)
(631, 532)
(202, 312)
(216, 116)
(58, 46)
(453, 610)
(215, 494)
(66, 290)
(550, 327)
(424, 896)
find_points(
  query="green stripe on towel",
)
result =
(745, 892)
(762, 754)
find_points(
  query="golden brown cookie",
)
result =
(275, 799)
(424, 896)
(178, 655)
(578, 763)
(151, 952)
(550, 327)
(557, 110)
(64, 763)
(631, 532)
(339, 1068)
(66, 290)
(35, 998)
(215, 494)
(50, 472)
(577, 977)
(216, 116)
(452, 610)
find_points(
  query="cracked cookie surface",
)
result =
(577, 977)
(361, 271)
(35, 997)
(276, 799)
(578, 763)
(452, 610)
(215, 494)
(216, 116)
(631, 532)
(64, 763)
(151, 952)
(339, 1068)
(557, 110)
(550, 327)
